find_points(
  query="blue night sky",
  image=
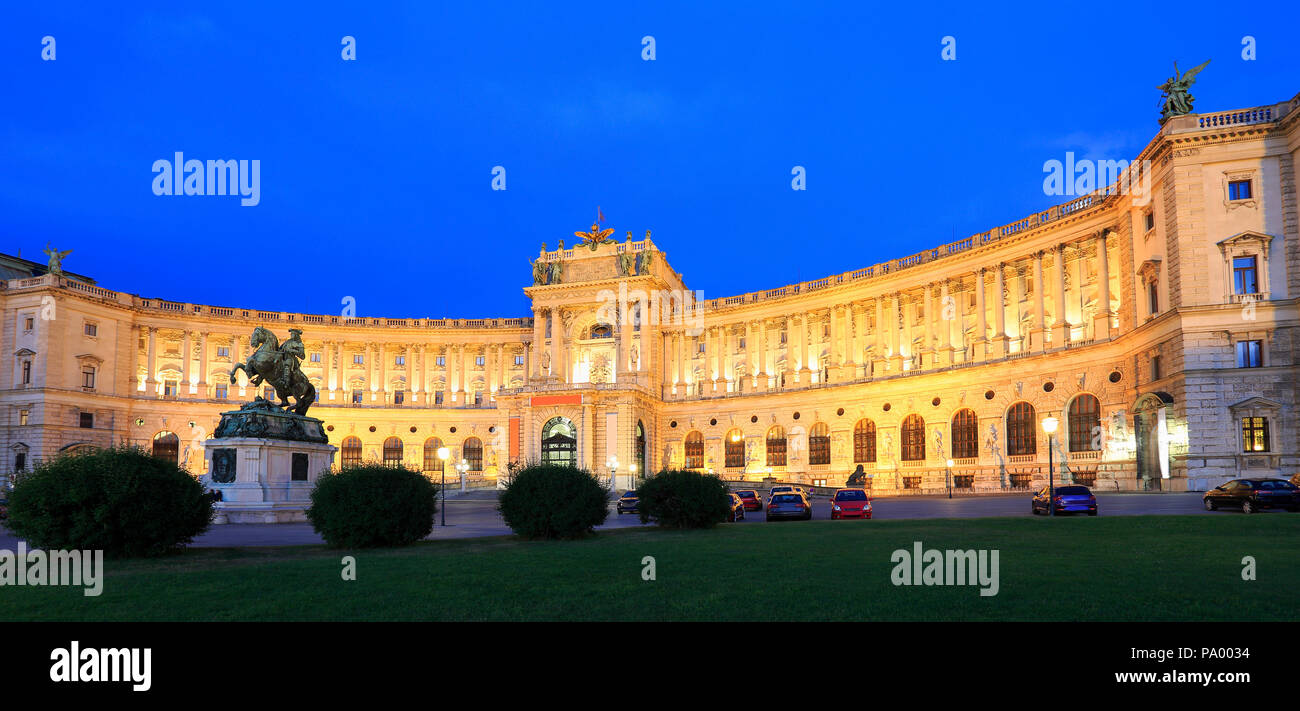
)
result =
(376, 174)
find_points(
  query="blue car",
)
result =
(1069, 499)
(629, 502)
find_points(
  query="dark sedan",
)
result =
(789, 506)
(753, 501)
(1251, 495)
(1068, 499)
(629, 502)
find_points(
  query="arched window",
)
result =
(819, 444)
(1021, 438)
(695, 450)
(776, 447)
(473, 453)
(559, 442)
(351, 451)
(392, 452)
(735, 449)
(640, 449)
(864, 441)
(1085, 414)
(965, 435)
(431, 461)
(913, 436)
(166, 445)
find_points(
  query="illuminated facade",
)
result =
(1156, 319)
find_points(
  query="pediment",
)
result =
(1255, 403)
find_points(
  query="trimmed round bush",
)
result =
(371, 505)
(683, 499)
(547, 501)
(121, 501)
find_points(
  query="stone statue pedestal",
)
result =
(272, 478)
(265, 462)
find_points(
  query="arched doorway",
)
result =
(166, 445)
(560, 442)
(640, 449)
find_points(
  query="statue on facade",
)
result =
(627, 264)
(280, 366)
(539, 271)
(643, 260)
(55, 265)
(857, 478)
(1177, 101)
(556, 271)
(595, 237)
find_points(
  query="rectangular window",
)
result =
(1249, 354)
(437, 398)
(478, 397)
(315, 357)
(87, 420)
(20, 461)
(519, 360)
(1153, 298)
(268, 393)
(1254, 434)
(22, 416)
(701, 347)
(442, 360)
(1151, 221)
(356, 396)
(29, 324)
(92, 330)
(399, 397)
(170, 387)
(399, 360)
(1244, 276)
(221, 391)
(27, 372)
(358, 359)
(223, 351)
(1239, 190)
(742, 343)
(479, 360)
(88, 378)
(1155, 367)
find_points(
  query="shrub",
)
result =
(121, 501)
(683, 499)
(551, 501)
(370, 505)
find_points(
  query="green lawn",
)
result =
(1117, 568)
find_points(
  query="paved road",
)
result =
(475, 516)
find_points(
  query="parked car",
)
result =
(737, 508)
(753, 502)
(1069, 499)
(790, 504)
(850, 503)
(629, 502)
(1251, 495)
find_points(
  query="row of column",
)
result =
(833, 343)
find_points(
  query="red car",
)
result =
(753, 502)
(850, 503)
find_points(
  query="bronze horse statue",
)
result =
(279, 366)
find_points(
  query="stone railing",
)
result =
(255, 316)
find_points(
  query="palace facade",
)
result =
(1155, 319)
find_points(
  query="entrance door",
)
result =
(559, 442)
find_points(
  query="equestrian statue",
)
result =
(279, 365)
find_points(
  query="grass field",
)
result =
(1119, 568)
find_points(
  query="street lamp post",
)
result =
(612, 463)
(443, 455)
(950, 478)
(1049, 426)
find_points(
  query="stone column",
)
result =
(539, 338)
(624, 350)
(203, 363)
(1061, 326)
(151, 361)
(588, 439)
(557, 346)
(1000, 315)
(895, 335)
(452, 374)
(801, 339)
(1038, 337)
(714, 366)
(833, 357)
(859, 338)
(340, 378)
(927, 346)
(382, 367)
(1101, 323)
(878, 352)
(981, 318)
